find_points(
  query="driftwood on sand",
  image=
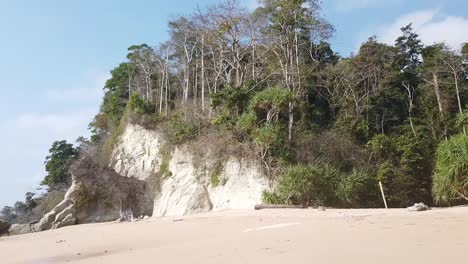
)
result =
(278, 206)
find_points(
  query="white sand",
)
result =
(269, 236)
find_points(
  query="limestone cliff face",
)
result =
(138, 153)
(142, 167)
(192, 184)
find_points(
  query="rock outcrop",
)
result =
(97, 195)
(147, 176)
(418, 207)
(138, 153)
(4, 227)
(18, 229)
(193, 183)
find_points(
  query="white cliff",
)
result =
(188, 187)
(137, 155)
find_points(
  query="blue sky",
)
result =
(56, 54)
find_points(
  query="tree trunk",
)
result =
(410, 109)
(460, 109)
(203, 74)
(439, 102)
(437, 93)
(291, 120)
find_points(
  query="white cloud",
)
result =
(65, 125)
(430, 26)
(90, 92)
(27, 137)
(25, 142)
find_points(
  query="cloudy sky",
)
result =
(55, 56)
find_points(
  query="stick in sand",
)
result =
(383, 195)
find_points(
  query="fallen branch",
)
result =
(278, 206)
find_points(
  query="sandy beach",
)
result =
(268, 236)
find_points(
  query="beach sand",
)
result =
(267, 236)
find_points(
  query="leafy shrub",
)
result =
(451, 172)
(155, 178)
(164, 168)
(306, 185)
(246, 123)
(215, 174)
(357, 189)
(271, 198)
(271, 139)
(224, 120)
(57, 164)
(232, 99)
(182, 131)
(137, 104)
(83, 197)
(397, 185)
(274, 99)
(330, 147)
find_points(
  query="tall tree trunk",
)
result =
(291, 120)
(410, 109)
(203, 73)
(460, 109)
(161, 93)
(439, 102)
(437, 93)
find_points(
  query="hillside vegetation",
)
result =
(327, 128)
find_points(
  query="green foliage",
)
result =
(409, 48)
(232, 99)
(107, 147)
(375, 116)
(164, 167)
(216, 173)
(357, 189)
(382, 146)
(461, 121)
(83, 197)
(246, 123)
(58, 162)
(397, 185)
(271, 198)
(307, 185)
(268, 104)
(137, 104)
(271, 139)
(464, 49)
(155, 179)
(451, 171)
(182, 131)
(87, 197)
(405, 165)
(114, 102)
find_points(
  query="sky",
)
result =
(55, 56)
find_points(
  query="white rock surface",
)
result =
(188, 190)
(243, 188)
(137, 154)
(181, 193)
(418, 207)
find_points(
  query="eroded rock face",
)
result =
(191, 190)
(137, 155)
(189, 187)
(97, 195)
(127, 189)
(19, 229)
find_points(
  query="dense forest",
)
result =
(326, 128)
